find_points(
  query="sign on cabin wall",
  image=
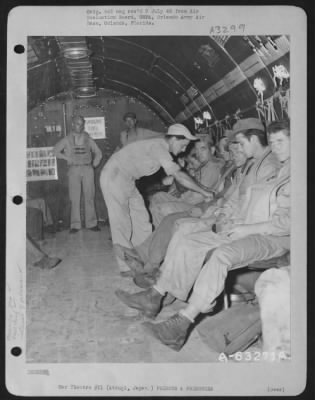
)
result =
(95, 127)
(41, 164)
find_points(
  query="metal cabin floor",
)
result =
(74, 316)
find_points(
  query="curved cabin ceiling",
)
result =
(178, 77)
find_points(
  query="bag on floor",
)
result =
(232, 330)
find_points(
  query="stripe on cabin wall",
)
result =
(250, 66)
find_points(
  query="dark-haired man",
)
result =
(128, 216)
(250, 133)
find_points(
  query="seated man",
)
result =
(189, 164)
(192, 164)
(263, 233)
(207, 175)
(147, 257)
(261, 165)
(221, 148)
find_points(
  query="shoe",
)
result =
(172, 332)
(74, 230)
(95, 229)
(149, 301)
(47, 262)
(135, 265)
(144, 281)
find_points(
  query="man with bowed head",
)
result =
(128, 216)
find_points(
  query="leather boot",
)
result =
(135, 265)
(172, 332)
(146, 280)
(148, 301)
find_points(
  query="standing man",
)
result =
(133, 132)
(81, 154)
(128, 216)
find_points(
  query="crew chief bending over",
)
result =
(128, 216)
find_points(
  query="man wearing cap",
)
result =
(250, 133)
(82, 154)
(133, 132)
(128, 216)
(262, 165)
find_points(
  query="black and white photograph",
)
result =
(160, 236)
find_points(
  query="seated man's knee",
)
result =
(223, 254)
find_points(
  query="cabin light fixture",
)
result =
(75, 53)
(85, 91)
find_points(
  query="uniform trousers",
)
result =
(128, 217)
(152, 251)
(82, 177)
(185, 268)
(163, 204)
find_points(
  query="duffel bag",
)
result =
(232, 330)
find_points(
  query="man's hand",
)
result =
(239, 231)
